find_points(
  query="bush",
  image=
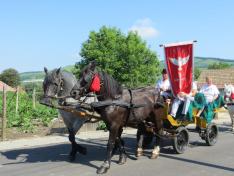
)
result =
(101, 126)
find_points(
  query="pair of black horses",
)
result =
(116, 117)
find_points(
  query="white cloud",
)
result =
(144, 27)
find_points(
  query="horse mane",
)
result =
(112, 88)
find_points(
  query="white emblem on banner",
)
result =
(180, 61)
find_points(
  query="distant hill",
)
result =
(200, 62)
(204, 62)
(39, 75)
(31, 75)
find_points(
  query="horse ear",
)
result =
(58, 70)
(92, 65)
(45, 70)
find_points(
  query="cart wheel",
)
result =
(211, 134)
(180, 142)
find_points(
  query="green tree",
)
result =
(11, 77)
(197, 73)
(126, 57)
(219, 65)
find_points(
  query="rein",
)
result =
(57, 98)
(130, 109)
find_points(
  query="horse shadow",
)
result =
(226, 128)
(96, 151)
(55, 153)
(60, 152)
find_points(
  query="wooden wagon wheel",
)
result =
(180, 142)
(212, 132)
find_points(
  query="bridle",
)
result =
(88, 79)
(59, 87)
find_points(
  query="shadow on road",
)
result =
(54, 153)
(197, 162)
(96, 152)
(59, 152)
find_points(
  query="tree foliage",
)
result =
(11, 77)
(219, 65)
(197, 73)
(125, 57)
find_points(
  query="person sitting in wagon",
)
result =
(183, 98)
(210, 92)
(212, 100)
(163, 85)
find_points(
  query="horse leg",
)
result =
(75, 147)
(113, 132)
(156, 150)
(232, 118)
(140, 139)
(231, 113)
(120, 144)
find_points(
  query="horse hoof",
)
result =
(154, 156)
(83, 151)
(138, 154)
(122, 159)
(102, 170)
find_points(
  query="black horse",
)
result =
(117, 116)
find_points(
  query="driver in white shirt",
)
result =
(209, 90)
(163, 85)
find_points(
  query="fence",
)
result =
(3, 110)
(3, 118)
(11, 112)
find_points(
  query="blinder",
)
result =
(86, 82)
(57, 88)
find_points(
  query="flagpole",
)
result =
(180, 43)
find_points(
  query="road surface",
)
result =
(52, 160)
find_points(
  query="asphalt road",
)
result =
(198, 159)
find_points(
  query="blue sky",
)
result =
(34, 34)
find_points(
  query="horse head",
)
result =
(57, 84)
(98, 82)
(52, 83)
(228, 91)
(81, 88)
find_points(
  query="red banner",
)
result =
(179, 61)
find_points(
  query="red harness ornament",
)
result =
(232, 96)
(95, 85)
